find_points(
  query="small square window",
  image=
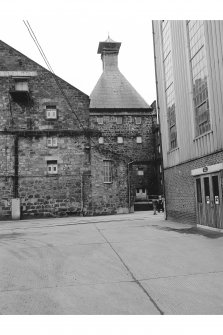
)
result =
(139, 139)
(120, 140)
(140, 172)
(51, 112)
(101, 140)
(52, 167)
(21, 85)
(52, 141)
(100, 120)
(138, 120)
(119, 120)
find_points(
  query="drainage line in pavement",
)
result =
(132, 275)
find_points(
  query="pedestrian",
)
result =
(160, 204)
(155, 203)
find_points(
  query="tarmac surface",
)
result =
(111, 265)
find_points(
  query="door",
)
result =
(209, 200)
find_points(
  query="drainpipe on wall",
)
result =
(158, 114)
(129, 187)
(15, 199)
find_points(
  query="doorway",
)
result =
(209, 200)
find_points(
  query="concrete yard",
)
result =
(123, 264)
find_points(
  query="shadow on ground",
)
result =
(193, 231)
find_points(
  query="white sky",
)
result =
(69, 32)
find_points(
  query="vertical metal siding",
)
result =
(190, 147)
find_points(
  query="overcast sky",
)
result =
(69, 32)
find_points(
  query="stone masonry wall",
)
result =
(109, 198)
(140, 154)
(41, 194)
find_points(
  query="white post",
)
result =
(16, 209)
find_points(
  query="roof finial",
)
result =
(108, 35)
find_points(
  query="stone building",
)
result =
(189, 76)
(43, 149)
(126, 124)
(60, 157)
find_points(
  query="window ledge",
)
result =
(172, 150)
(107, 182)
(204, 134)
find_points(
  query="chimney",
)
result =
(109, 50)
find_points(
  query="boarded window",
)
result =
(119, 120)
(138, 120)
(100, 120)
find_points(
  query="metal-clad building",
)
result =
(189, 75)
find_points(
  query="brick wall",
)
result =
(180, 189)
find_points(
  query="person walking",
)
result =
(155, 203)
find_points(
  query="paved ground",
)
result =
(124, 264)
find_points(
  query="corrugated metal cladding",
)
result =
(190, 146)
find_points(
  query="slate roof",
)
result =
(114, 91)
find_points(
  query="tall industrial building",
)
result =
(189, 76)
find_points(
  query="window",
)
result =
(120, 140)
(207, 190)
(215, 185)
(52, 167)
(198, 187)
(199, 76)
(138, 120)
(119, 120)
(107, 171)
(52, 141)
(169, 83)
(51, 112)
(101, 140)
(21, 85)
(100, 120)
(139, 139)
(140, 172)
